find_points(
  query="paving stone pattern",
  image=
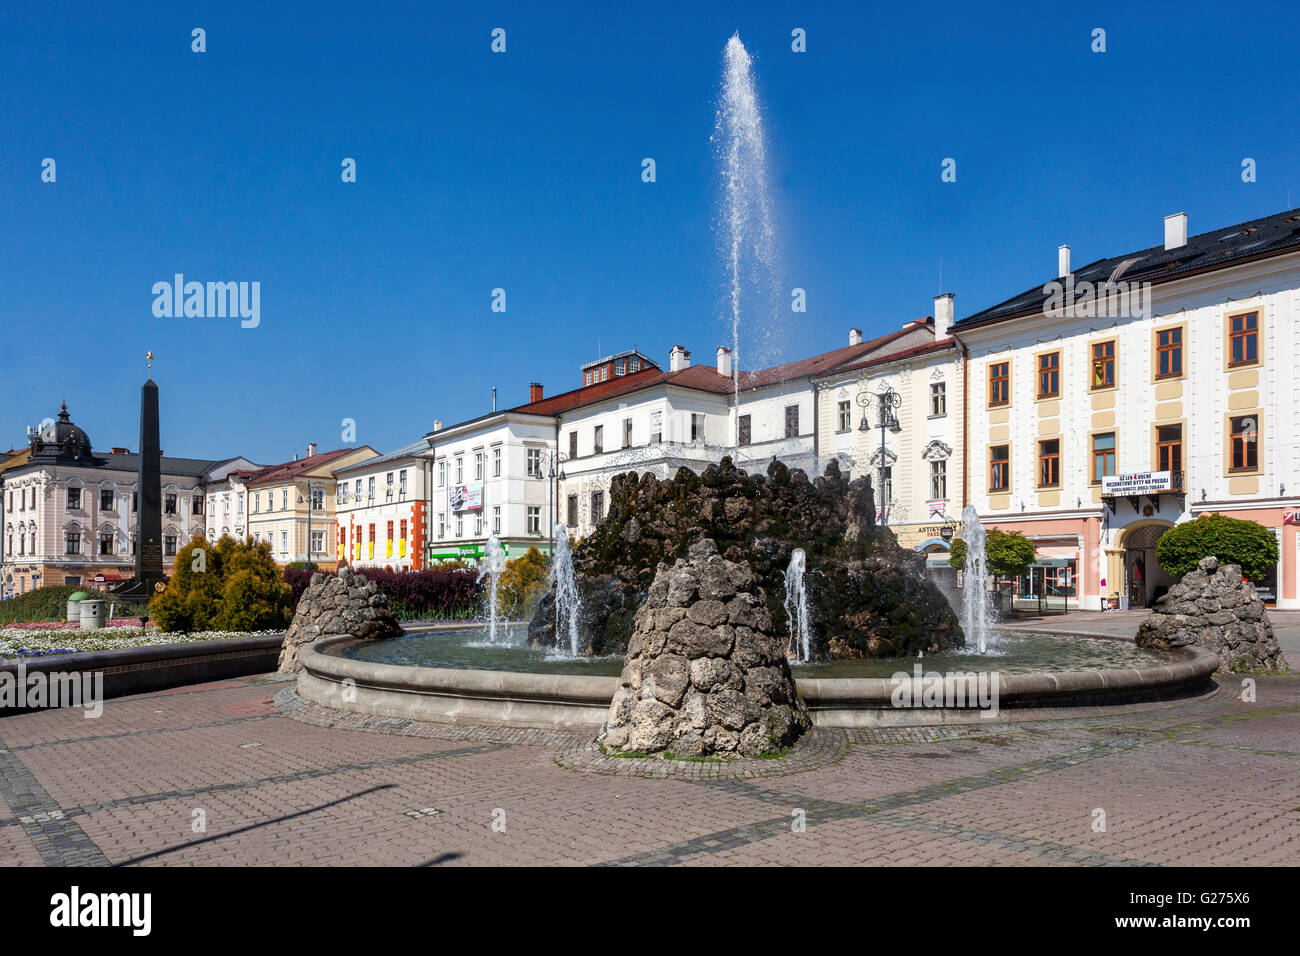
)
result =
(243, 773)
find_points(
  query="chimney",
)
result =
(1062, 261)
(119, 451)
(1176, 230)
(534, 391)
(855, 336)
(678, 359)
(943, 314)
(437, 424)
(311, 448)
(724, 361)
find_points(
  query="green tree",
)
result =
(523, 582)
(255, 595)
(231, 585)
(1007, 553)
(193, 596)
(1231, 540)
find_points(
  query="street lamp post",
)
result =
(886, 400)
(554, 471)
(311, 506)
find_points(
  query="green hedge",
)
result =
(1231, 540)
(50, 603)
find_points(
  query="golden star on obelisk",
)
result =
(149, 356)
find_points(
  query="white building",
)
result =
(226, 503)
(489, 478)
(689, 416)
(915, 463)
(651, 421)
(1097, 422)
(381, 509)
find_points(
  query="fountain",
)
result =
(670, 630)
(796, 607)
(975, 595)
(746, 231)
(568, 603)
(494, 562)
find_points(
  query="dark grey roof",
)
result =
(185, 467)
(406, 451)
(1258, 238)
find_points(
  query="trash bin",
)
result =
(74, 605)
(92, 614)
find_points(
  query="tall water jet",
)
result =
(494, 562)
(975, 594)
(796, 607)
(568, 603)
(747, 236)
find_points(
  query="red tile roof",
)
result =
(705, 378)
(291, 469)
(872, 360)
(824, 362)
(701, 377)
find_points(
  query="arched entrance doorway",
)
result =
(1144, 579)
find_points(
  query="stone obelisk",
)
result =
(148, 555)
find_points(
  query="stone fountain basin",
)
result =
(569, 702)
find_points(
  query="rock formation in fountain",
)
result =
(706, 675)
(866, 596)
(1212, 607)
(343, 603)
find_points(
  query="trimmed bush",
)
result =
(430, 593)
(1231, 540)
(227, 586)
(439, 592)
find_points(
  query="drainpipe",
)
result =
(965, 420)
(817, 465)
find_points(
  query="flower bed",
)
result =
(23, 641)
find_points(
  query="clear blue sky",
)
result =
(522, 171)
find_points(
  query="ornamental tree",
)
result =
(1006, 553)
(231, 585)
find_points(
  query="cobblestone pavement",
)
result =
(241, 772)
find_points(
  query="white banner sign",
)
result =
(1142, 483)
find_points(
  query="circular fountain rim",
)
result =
(570, 701)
